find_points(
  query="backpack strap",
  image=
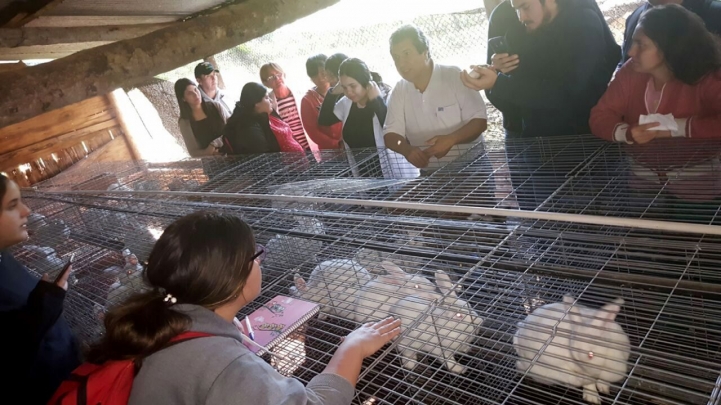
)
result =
(189, 335)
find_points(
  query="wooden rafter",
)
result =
(98, 71)
(19, 13)
(33, 36)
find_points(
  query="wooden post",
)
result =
(100, 70)
(211, 60)
(136, 135)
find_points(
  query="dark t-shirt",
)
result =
(208, 129)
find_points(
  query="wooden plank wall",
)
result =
(43, 146)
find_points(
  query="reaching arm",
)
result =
(327, 115)
(607, 117)
(584, 51)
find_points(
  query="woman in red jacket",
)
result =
(675, 68)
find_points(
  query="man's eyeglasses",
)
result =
(259, 254)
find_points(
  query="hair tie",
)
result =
(170, 299)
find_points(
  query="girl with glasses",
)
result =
(203, 270)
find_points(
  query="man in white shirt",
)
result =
(207, 76)
(432, 117)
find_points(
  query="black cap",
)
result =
(205, 68)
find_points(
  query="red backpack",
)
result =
(105, 384)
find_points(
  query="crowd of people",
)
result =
(552, 69)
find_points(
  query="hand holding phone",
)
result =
(62, 279)
(502, 60)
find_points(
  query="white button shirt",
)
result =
(445, 106)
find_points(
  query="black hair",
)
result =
(414, 34)
(244, 115)
(689, 49)
(202, 259)
(333, 63)
(180, 86)
(358, 70)
(314, 64)
(4, 181)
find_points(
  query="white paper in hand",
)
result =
(665, 122)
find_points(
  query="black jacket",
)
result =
(564, 70)
(40, 351)
(249, 135)
(708, 10)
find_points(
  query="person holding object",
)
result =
(552, 95)
(432, 118)
(39, 347)
(202, 271)
(201, 121)
(674, 71)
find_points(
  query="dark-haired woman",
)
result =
(203, 270)
(255, 127)
(39, 349)
(201, 121)
(675, 68)
(363, 111)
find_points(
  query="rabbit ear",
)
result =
(300, 283)
(610, 310)
(392, 268)
(444, 282)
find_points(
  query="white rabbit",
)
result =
(333, 284)
(579, 346)
(376, 298)
(448, 328)
(371, 259)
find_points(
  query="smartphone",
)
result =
(66, 268)
(498, 45)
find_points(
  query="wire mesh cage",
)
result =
(580, 297)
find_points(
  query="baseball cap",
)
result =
(205, 68)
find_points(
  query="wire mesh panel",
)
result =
(550, 306)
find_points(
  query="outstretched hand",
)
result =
(487, 77)
(642, 134)
(62, 279)
(370, 337)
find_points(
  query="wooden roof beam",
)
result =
(33, 36)
(97, 71)
(19, 13)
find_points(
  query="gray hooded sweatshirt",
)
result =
(220, 370)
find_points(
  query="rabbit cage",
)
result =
(449, 253)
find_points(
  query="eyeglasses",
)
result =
(259, 255)
(274, 77)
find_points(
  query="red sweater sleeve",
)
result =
(323, 136)
(284, 135)
(707, 124)
(607, 116)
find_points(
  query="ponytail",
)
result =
(143, 324)
(201, 259)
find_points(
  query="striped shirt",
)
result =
(288, 111)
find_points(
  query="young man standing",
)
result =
(432, 118)
(207, 77)
(556, 67)
(325, 137)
